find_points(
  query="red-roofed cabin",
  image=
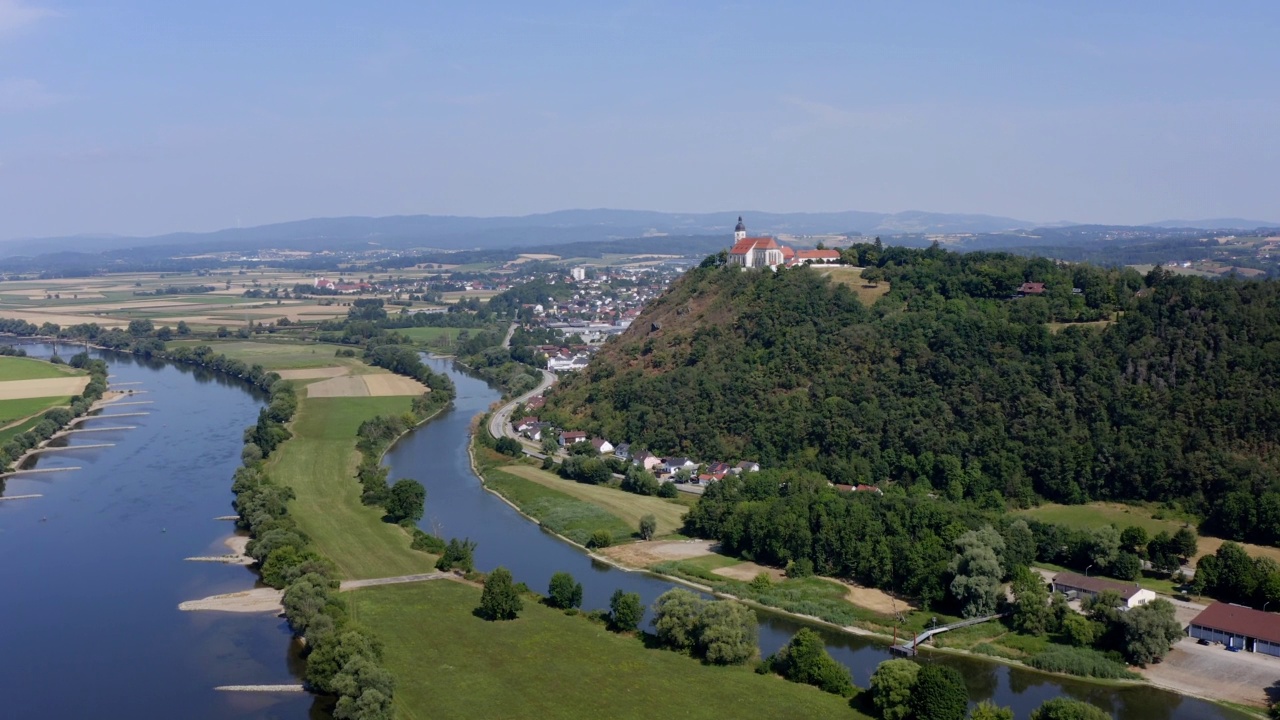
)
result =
(1030, 288)
(820, 257)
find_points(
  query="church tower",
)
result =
(740, 232)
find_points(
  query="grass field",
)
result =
(20, 368)
(280, 356)
(434, 335)
(14, 410)
(1098, 514)
(556, 510)
(852, 277)
(626, 506)
(17, 429)
(319, 464)
(548, 665)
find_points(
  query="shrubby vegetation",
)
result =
(719, 631)
(805, 660)
(903, 690)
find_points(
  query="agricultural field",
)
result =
(112, 301)
(282, 355)
(852, 277)
(1099, 514)
(29, 387)
(547, 665)
(626, 506)
(557, 510)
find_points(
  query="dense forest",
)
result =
(1109, 385)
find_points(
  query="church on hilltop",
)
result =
(765, 252)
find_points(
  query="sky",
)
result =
(141, 117)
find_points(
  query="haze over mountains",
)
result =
(454, 232)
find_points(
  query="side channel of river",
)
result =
(457, 506)
(93, 571)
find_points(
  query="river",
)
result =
(93, 570)
(457, 506)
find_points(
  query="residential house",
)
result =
(719, 468)
(676, 464)
(571, 437)
(817, 257)
(1031, 288)
(1081, 586)
(601, 445)
(647, 460)
(623, 451)
(746, 466)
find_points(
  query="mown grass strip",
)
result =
(557, 511)
(548, 665)
(319, 464)
(628, 507)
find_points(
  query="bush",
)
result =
(648, 527)
(1067, 709)
(500, 600)
(564, 592)
(667, 490)
(600, 539)
(457, 555)
(939, 694)
(509, 446)
(427, 542)
(625, 611)
(805, 660)
(1080, 661)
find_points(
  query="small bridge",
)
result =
(909, 649)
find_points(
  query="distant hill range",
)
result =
(1216, 224)
(588, 229)
(450, 232)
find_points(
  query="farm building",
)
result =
(1081, 586)
(1238, 626)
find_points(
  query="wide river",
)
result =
(93, 570)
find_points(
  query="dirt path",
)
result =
(263, 600)
(646, 554)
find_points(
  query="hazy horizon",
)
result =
(144, 118)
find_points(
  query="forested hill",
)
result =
(949, 380)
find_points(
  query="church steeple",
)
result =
(740, 231)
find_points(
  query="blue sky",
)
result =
(140, 117)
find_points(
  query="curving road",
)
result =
(500, 421)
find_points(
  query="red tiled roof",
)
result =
(742, 247)
(818, 254)
(1030, 287)
(787, 253)
(764, 243)
(1240, 621)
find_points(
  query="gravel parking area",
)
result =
(1211, 671)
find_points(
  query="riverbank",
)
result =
(877, 628)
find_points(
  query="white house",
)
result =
(1132, 594)
(601, 445)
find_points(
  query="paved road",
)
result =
(500, 421)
